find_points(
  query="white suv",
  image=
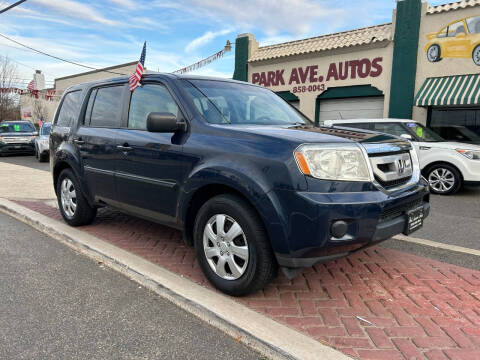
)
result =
(447, 165)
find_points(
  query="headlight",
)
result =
(32, 138)
(471, 154)
(1, 139)
(333, 162)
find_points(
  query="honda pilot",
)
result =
(253, 185)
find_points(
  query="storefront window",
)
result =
(474, 25)
(456, 124)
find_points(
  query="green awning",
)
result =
(449, 90)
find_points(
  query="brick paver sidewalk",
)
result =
(377, 304)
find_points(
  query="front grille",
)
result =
(16, 140)
(392, 169)
(399, 210)
(393, 183)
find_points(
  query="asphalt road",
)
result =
(57, 304)
(26, 160)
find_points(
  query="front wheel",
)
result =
(434, 53)
(73, 205)
(232, 246)
(444, 179)
(476, 55)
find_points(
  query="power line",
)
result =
(12, 6)
(59, 58)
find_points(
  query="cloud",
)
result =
(75, 9)
(129, 4)
(205, 39)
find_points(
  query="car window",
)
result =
(107, 108)
(390, 128)
(473, 25)
(365, 126)
(69, 108)
(455, 29)
(45, 130)
(422, 133)
(17, 127)
(443, 33)
(146, 99)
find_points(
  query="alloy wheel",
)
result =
(225, 247)
(476, 55)
(68, 197)
(441, 180)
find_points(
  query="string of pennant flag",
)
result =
(49, 94)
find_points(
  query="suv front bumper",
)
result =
(371, 216)
(23, 148)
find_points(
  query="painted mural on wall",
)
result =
(458, 39)
(312, 78)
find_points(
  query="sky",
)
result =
(178, 32)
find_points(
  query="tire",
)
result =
(444, 179)
(82, 213)
(255, 264)
(42, 158)
(37, 155)
(434, 53)
(476, 55)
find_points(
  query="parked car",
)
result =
(446, 164)
(42, 147)
(249, 180)
(459, 39)
(17, 137)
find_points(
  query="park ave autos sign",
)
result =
(311, 78)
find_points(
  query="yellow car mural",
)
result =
(459, 39)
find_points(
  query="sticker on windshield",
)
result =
(16, 128)
(420, 132)
(411, 124)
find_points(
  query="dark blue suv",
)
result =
(249, 180)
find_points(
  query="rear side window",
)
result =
(107, 107)
(69, 109)
(146, 99)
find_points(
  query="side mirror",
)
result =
(163, 122)
(406, 136)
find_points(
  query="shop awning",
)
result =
(449, 90)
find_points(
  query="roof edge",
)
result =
(97, 71)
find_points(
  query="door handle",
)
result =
(79, 141)
(124, 147)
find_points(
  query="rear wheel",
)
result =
(434, 53)
(444, 179)
(232, 246)
(73, 206)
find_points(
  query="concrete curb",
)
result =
(263, 334)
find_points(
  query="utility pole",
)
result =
(12, 6)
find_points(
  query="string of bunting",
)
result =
(205, 61)
(47, 94)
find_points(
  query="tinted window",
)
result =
(422, 133)
(17, 127)
(69, 110)
(390, 128)
(146, 99)
(455, 29)
(365, 126)
(107, 108)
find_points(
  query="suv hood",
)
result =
(310, 134)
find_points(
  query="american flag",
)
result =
(134, 79)
(31, 86)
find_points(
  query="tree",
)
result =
(39, 111)
(9, 107)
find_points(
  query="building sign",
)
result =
(312, 79)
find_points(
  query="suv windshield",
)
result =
(45, 129)
(422, 133)
(222, 102)
(16, 127)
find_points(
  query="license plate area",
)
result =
(414, 220)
